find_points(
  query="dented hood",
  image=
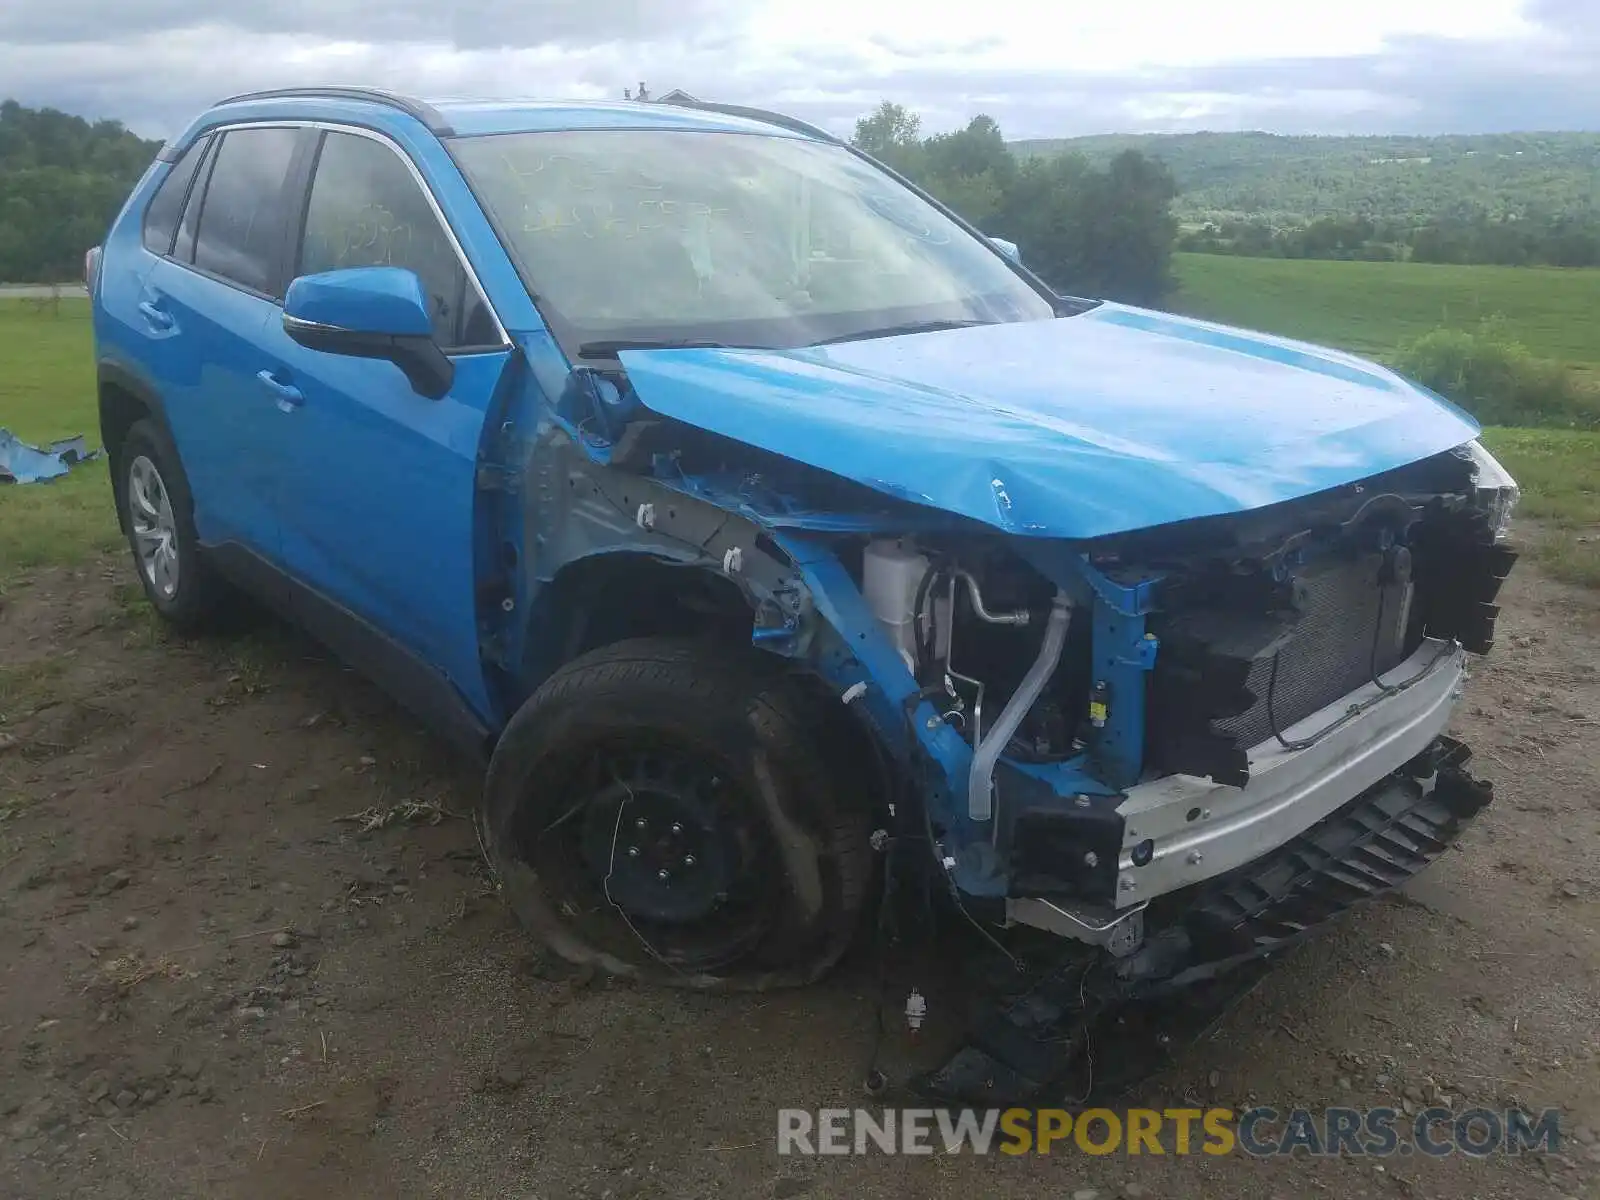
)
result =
(1078, 427)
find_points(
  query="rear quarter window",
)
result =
(161, 217)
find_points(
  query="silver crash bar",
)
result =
(1200, 829)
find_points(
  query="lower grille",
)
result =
(1345, 616)
(1370, 846)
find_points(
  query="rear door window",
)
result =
(240, 230)
(161, 217)
(367, 209)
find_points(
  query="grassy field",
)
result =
(1559, 473)
(1371, 307)
(47, 392)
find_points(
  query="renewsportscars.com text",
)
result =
(1262, 1131)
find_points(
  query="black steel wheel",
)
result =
(664, 808)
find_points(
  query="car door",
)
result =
(376, 483)
(208, 301)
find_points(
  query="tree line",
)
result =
(1097, 216)
(62, 180)
(1090, 230)
(1565, 241)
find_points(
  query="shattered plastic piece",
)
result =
(22, 463)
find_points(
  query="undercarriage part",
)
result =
(1118, 933)
(1035, 1031)
(980, 799)
(1066, 854)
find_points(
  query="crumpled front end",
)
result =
(1166, 750)
(1097, 725)
(1186, 747)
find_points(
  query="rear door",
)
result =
(208, 301)
(377, 484)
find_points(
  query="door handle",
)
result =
(289, 396)
(158, 318)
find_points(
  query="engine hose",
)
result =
(980, 804)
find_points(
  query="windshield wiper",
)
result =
(615, 346)
(896, 330)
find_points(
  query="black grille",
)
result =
(1329, 651)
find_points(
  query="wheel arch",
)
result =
(614, 595)
(625, 593)
(125, 397)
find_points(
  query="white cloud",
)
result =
(1041, 67)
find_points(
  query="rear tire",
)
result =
(156, 510)
(664, 809)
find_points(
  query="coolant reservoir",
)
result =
(891, 573)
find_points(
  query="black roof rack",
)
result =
(792, 124)
(426, 113)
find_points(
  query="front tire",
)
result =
(157, 514)
(664, 809)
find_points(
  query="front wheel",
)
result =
(664, 809)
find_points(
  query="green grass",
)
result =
(47, 391)
(1559, 473)
(1371, 307)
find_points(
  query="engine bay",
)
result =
(1257, 621)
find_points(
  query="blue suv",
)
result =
(771, 530)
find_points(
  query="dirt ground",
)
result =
(216, 980)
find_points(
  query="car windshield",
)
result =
(630, 236)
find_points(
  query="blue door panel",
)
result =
(204, 346)
(376, 490)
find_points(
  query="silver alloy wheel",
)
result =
(155, 533)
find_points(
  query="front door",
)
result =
(377, 484)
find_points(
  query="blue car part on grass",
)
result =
(22, 463)
(1101, 604)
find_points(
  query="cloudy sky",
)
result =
(1041, 67)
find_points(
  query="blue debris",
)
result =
(22, 463)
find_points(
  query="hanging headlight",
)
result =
(1497, 491)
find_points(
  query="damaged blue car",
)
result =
(781, 539)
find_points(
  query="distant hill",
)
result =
(62, 180)
(1293, 180)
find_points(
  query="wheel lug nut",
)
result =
(633, 852)
(677, 828)
(663, 875)
(639, 824)
(688, 860)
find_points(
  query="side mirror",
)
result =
(370, 312)
(1009, 249)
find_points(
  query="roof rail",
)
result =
(792, 124)
(422, 111)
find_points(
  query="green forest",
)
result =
(1294, 180)
(62, 180)
(1508, 199)
(1090, 230)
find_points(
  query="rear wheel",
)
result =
(158, 516)
(664, 808)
